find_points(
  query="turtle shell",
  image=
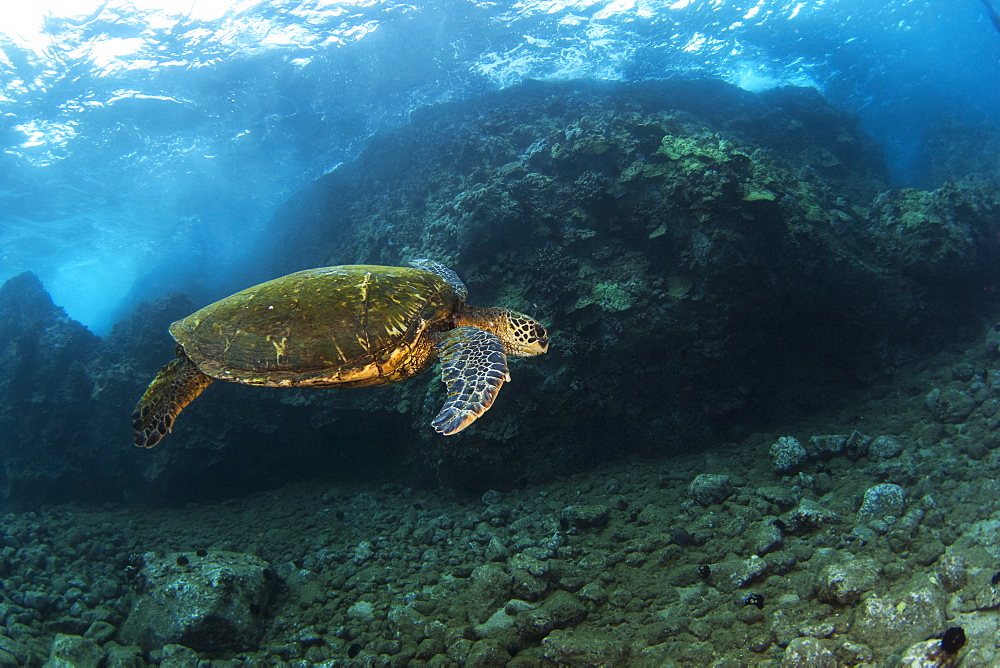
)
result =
(350, 325)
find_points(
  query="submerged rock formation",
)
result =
(708, 260)
(45, 395)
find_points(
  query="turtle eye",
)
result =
(539, 332)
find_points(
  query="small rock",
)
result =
(950, 406)
(888, 622)
(74, 652)
(808, 653)
(927, 654)
(584, 516)
(302, 583)
(787, 454)
(710, 488)
(100, 632)
(526, 562)
(496, 550)
(363, 552)
(885, 447)
(38, 600)
(361, 610)
(844, 583)
(491, 496)
(564, 609)
(654, 515)
(988, 597)
(582, 648)
(852, 653)
(882, 501)
(490, 585)
(821, 630)
(503, 619)
(778, 495)
(178, 656)
(857, 444)
(764, 539)
(822, 446)
(123, 657)
(11, 652)
(595, 593)
(459, 650)
(993, 381)
(963, 371)
(953, 572)
(808, 516)
(486, 654)
(748, 570)
(408, 621)
(783, 625)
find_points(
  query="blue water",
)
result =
(145, 143)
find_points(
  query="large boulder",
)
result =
(211, 602)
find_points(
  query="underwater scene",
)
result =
(477, 333)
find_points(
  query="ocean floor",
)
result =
(848, 538)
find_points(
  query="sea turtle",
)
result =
(345, 326)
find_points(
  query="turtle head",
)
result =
(522, 336)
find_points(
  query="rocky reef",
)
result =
(45, 403)
(708, 261)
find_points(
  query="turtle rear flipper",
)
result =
(473, 368)
(175, 386)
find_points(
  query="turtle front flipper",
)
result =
(175, 386)
(473, 368)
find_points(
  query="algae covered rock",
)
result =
(808, 516)
(888, 622)
(179, 656)
(788, 454)
(211, 602)
(710, 488)
(844, 582)
(487, 653)
(885, 447)
(809, 653)
(764, 538)
(586, 516)
(69, 651)
(951, 405)
(881, 501)
(589, 648)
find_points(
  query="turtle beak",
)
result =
(537, 344)
(532, 348)
(527, 337)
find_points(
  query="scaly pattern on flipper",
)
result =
(175, 386)
(473, 368)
